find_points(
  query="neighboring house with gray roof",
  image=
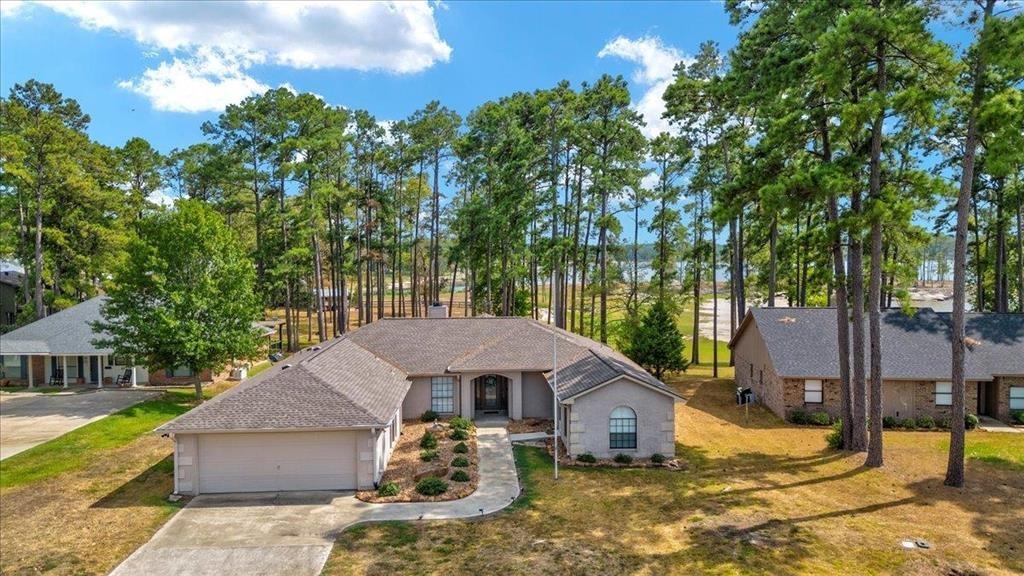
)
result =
(59, 349)
(789, 358)
(329, 418)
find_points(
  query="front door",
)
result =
(492, 394)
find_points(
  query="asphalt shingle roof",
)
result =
(802, 342)
(361, 379)
(339, 385)
(68, 332)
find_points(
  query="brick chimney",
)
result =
(437, 310)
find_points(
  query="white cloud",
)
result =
(650, 181)
(206, 82)
(10, 8)
(212, 45)
(656, 64)
(161, 197)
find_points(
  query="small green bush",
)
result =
(908, 423)
(460, 462)
(970, 421)
(657, 458)
(942, 422)
(820, 419)
(460, 423)
(623, 458)
(586, 457)
(1018, 417)
(835, 437)
(888, 422)
(798, 416)
(388, 489)
(460, 448)
(926, 422)
(428, 455)
(428, 441)
(431, 486)
(429, 416)
(458, 434)
(460, 476)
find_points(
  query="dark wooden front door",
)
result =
(492, 393)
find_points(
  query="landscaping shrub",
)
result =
(460, 448)
(431, 486)
(798, 416)
(943, 422)
(458, 434)
(460, 423)
(460, 476)
(820, 419)
(908, 423)
(970, 421)
(1018, 417)
(888, 422)
(926, 422)
(428, 441)
(623, 458)
(586, 457)
(657, 458)
(429, 416)
(835, 437)
(428, 455)
(388, 489)
(460, 462)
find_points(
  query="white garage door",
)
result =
(268, 462)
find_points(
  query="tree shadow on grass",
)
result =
(148, 488)
(717, 398)
(995, 498)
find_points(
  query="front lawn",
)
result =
(82, 502)
(761, 497)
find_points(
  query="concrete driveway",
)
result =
(292, 533)
(27, 419)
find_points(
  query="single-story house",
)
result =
(789, 358)
(62, 344)
(329, 417)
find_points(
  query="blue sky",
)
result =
(158, 70)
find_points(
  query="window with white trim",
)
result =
(442, 394)
(622, 429)
(943, 393)
(1016, 397)
(812, 392)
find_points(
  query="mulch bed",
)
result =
(406, 468)
(674, 464)
(530, 425)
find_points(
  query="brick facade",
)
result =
(901, 399)
(159, 377)
(1003, 384)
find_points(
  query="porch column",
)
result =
(133, 376)
(99, 364)
(64, 373)
(31, 376)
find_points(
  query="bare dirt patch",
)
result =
(406, 467)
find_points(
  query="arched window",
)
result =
(622, 429)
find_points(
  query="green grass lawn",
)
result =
(78, 447)
(39, 389)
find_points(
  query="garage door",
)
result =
(269, 462)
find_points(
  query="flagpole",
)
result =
(554, 388)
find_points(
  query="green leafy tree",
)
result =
(654, 341)
(184, 297)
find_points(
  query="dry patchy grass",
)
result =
(761, 497)
(105, 500)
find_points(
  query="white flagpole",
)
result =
(554, 387)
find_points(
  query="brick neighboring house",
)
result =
(62, 343)
(789, 358)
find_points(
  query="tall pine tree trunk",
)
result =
(875, 456)
(955, 466)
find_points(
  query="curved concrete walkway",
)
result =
(271, 534)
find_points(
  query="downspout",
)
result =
(376, 461)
